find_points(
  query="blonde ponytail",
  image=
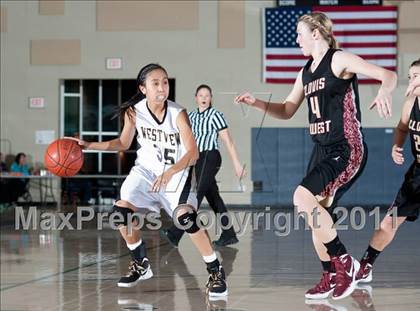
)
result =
(320, 21)
(333, 43)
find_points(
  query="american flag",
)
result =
(368, 31)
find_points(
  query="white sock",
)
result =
(211, 258)
(132, 247)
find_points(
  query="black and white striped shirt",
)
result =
(206, 126)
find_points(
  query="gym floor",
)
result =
(79, 269)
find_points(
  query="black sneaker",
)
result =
(167, 234)
(136, 272)
(225, 241)
(216, 284)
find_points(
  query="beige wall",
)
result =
(3, 19)
(192, 56)
(146, 15)
(48, 7)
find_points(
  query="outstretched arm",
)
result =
(118, 144)
(345, 64)
(284, 110)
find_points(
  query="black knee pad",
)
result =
(188, 222)
(125, 212)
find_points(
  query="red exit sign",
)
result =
(114, 63)
(36, 102)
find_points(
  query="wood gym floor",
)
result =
(79, 269)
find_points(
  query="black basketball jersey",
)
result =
(334, 113)
(414, 129)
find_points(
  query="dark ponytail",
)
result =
(128, 105)
(141, 79)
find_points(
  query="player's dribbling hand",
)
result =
(383, 103)
(397, 155)
(83, 144)
(245, 98)
(161, 181)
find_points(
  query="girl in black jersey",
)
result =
(329, 83)
(407, 201)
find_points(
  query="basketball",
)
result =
(63, 157)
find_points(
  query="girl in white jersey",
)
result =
(162, 175)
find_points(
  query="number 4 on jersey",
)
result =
(315, 106)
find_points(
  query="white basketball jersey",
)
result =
(160, 144)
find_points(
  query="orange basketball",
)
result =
(63, 157)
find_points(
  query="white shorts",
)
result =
(136, 190)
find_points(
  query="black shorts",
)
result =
(333, 169)
(407, 201)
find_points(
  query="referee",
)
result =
(207, 125)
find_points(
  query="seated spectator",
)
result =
(19, 166)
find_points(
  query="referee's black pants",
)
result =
(206, 168)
